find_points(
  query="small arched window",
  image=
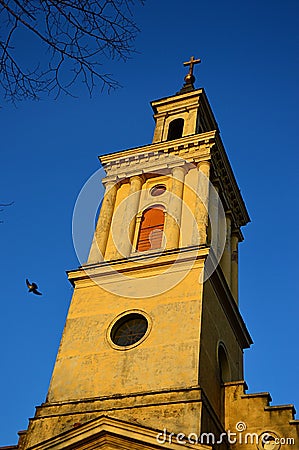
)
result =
(151, 229)
(175, 129)
(224, 368)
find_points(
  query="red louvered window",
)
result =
(151, 229)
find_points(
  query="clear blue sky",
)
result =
(249, 69)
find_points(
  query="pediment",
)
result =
(107, 433)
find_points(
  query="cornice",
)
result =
(151, 260)
(158, 156)
(176, 145)
(177, 98)
(107, 432)
(229, 190)
(114, 402)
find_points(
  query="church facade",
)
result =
(151, 355)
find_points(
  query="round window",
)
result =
(269, 441)
(129, 329)
(158, 190)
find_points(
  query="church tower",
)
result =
(153, 343)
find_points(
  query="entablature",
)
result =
(229, 191)
(158, 157)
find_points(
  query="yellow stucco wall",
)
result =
(216, 329)
(87, 366)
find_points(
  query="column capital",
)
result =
(203, 163)
(228, 215)
(140, 178)
(237, 234)
(179, 169)
(108, 183)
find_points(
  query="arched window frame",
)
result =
(175, 131)
(223, 363)
(139, 217)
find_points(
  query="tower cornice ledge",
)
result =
(173, 146)
(158, 156)
(108, 432)
(225, 178)
(161, 157)
(175, 258)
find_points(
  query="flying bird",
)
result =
(32, 287)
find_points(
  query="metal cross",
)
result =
(191, 63)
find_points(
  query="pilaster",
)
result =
(174, 213)
(226, 260)
(234, 266)
(201, 212)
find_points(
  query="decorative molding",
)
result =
(157, 157)
(229, 189)
(105, 432)
(109, 271)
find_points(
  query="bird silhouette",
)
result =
(32, 287)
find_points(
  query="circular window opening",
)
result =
(129, 329)
(269, 441)
(158, 190)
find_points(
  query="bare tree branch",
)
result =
(78, 38)
(4, 205)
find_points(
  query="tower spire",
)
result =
(189, 78)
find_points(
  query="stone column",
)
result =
(174, 211)
(136, 182)
(98, 247)
(234, 270)
(214, 206)
(226, 259)
(201, 214)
